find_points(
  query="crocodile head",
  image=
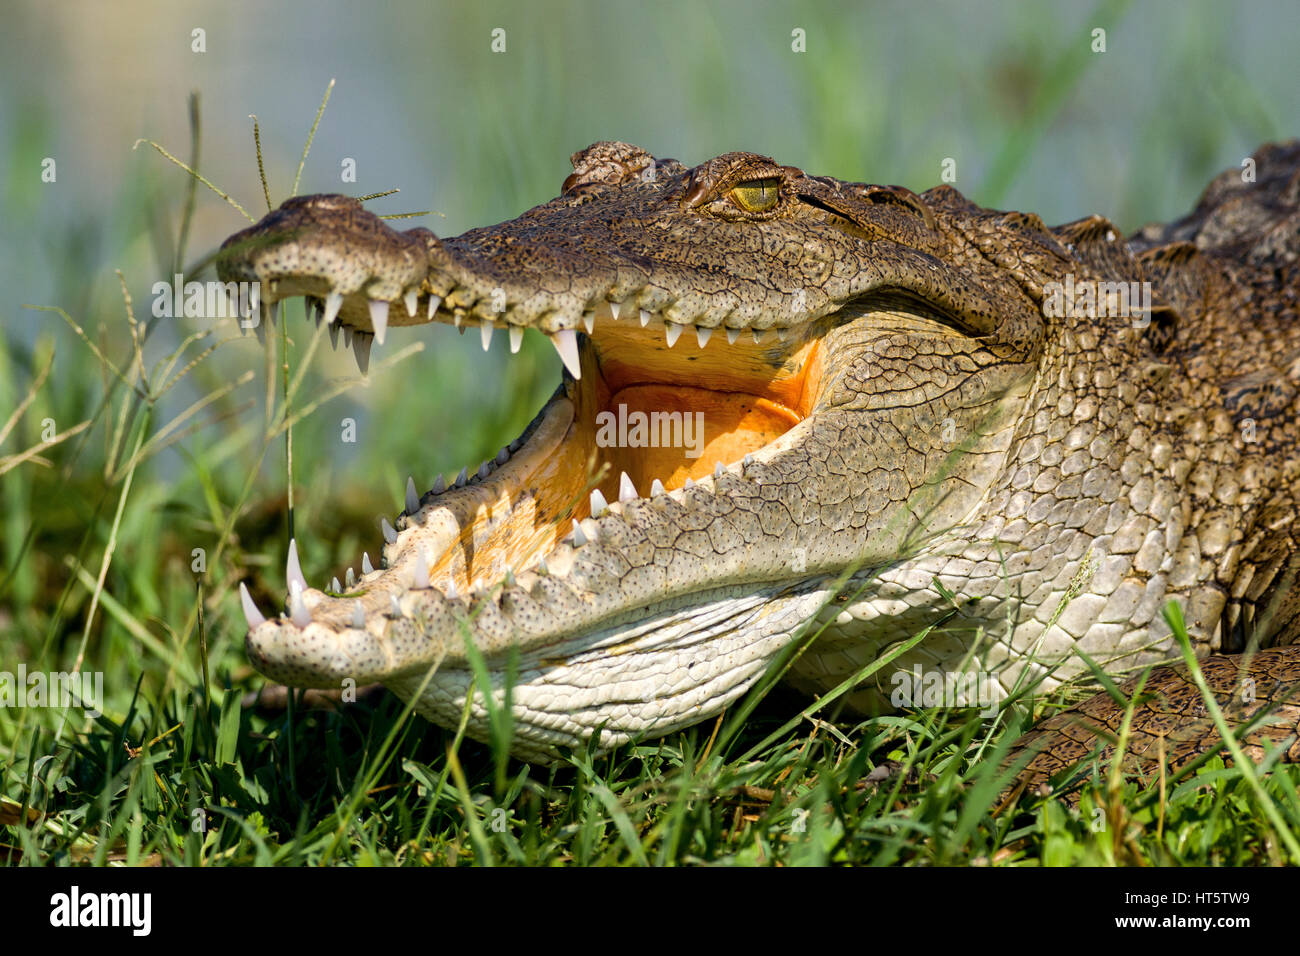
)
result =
(772, 380)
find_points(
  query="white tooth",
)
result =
(566, 343)
(718, 469)
(434, 302)
(379, 318)
(451, 592)
(589, 320)
(412, 300)
(688, 484)
(516, 338)
(333, 302)
(390, 533)
(510, 577)
(598, 503)
(366, 566)
(656, 488)
(334, 586)
(747, 460)
(251, 613)
(503, 456)
(541, 567)
(420, 573)
(671, 332)
(439, 484)
(292, 568)
(732, 335)
(298, 612)
(462, 477)
(645, 318)
(358, 615)
(626, 490)
(579, 539)
(613, 309)
(334, 337)
(590, 530)
(484, 470)
(394, 606)
(457, 318)
(350, 578)
(758, 336)
(702, 335)
(485, 330)
(780, 335)
(412, 499)
(255, 296)
(361, 343)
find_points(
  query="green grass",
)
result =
(167, 438)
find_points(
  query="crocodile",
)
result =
(795, 406)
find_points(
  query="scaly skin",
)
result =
(916, 412)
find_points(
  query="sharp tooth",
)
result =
(484, 470)
(434, 302)
(456, 319)
(589, 320)
(334, 337)
(510, 577)
(645, 318)
(613, 309)
(541, 567)
(485, 330)
(579, 539)
(439, 484)
(671, 331)
(361, 343)
(394, 606)
(780, 335)
(598, 503)
(566, 343)
(688, 483)
(358, 615)
(758, 336)
(656, 488)
(503, 456)
(626, 490)
(412, 300)
(379, 318)
(462, 477)
(590, 530)
(251, 613)
(293, 569)
(718, 469)
(747, 460)
(412, 499)
(366, 566)
(347, 336)
(516, 338)
(390, 533)
(702, 335)
(420, 573)
(313, 310)
(451, 592)
(732, 335)
(335, 586)
(298, 612)
(350, 579)
(254, 296)
(333, 302)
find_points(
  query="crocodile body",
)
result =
(912, 413)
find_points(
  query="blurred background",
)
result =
(1034, 116)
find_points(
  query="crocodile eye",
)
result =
(757, 195)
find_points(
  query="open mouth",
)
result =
(646, 408)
